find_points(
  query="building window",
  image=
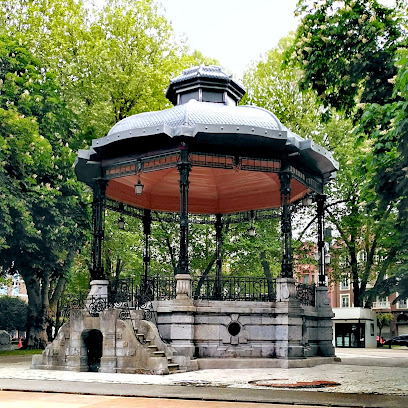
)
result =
(344, 261)
(362, 257)
(306, 279)
(344, 300)
(402, 304)
(3, 290)
(345, 284)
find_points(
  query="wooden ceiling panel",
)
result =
(211, 191)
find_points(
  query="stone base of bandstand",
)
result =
(199, 334)
(237, 334)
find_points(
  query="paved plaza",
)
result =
(365, 377)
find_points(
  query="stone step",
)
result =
(152, 347)
(159, 353)
(173, 367)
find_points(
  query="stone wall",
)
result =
(227, 329)
(199, 329)
(121, 351)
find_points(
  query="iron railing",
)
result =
(235, 288)
(124, 294)
(156, 288)
(306, 294)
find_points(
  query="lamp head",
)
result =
(139, 188)
(121, 223)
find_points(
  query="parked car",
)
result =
(397, 341)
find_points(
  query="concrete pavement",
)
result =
(40, 400)
(366, 378)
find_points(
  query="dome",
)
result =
(236, 151)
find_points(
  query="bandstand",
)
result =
(204, 157)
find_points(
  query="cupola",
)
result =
(205, 84)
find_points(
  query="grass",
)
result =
(19, 352)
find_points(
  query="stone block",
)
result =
(206, 332)
(281, 332)
(108, 365)
(182, 332)
(260, 333)
(268, 320)
(165, 331)
(326, 349)
(212, 318)
(183, 348)
(250, 319)
(179, 318)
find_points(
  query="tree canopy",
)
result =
(13, 313)
(348, 52)
(43, 216)
(111, 61)
(68, 72)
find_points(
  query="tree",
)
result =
(106, 64)
(13, 313)
(390, 163)
(347, 51)
(111, 62)
(43, 219)
(275, 86)
(276, 89)
(383, 319)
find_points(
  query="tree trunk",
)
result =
(36, 337)
(268, 275)
(203, 276)
(354, 275)
(41, 308)
(118, 269)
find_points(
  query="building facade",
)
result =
(15, 287)
(355, 326)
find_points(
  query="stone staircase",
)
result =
(155, 350)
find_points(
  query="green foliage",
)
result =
(276, 89)
(346, 50)
(20, 352)
(383, 319)
(43, 218)
(110, 62)
(257, 255)
(13, 313)
(123, 249)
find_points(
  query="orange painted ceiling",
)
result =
(211, 190)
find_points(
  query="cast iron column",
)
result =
(184, 168)
(98, 228)
(218, 260)
(321, 199)
(147, 229)
(285, 177)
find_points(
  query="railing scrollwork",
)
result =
(306, 294)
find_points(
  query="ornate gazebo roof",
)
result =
(236, 152)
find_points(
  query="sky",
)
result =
(234, 32)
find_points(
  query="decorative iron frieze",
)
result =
(235, 288)
(306, 294)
